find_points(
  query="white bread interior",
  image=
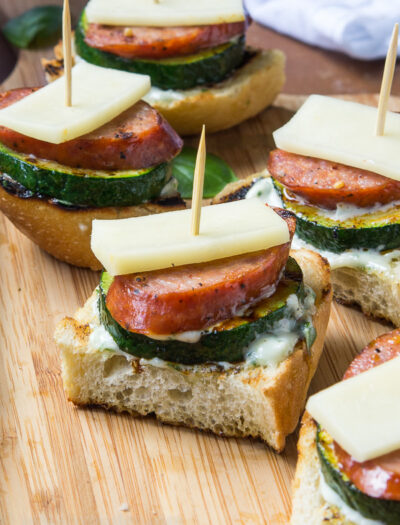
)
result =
(244, 94)
(262, 402)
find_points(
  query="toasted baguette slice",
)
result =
(262, 402)
(375, 292)
(249, 90)
(65, 232)
(308, 504)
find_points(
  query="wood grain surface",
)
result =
(64, 465)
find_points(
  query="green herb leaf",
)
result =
(216, 176)
(38, 27)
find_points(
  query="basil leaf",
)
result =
(216, 177)
(38, 27)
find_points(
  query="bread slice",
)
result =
(249, 90)
(377, 293)
(262, 402)
(65, 232)
(308, 504)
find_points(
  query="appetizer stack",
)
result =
(348, 472)
(108, 156)
(194, 52)
(221, 331)
(342, 181)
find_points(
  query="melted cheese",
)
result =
(160, 241)
(164, 13)
(343, 132)
(361, 413)
(98, 95)
(387, 262)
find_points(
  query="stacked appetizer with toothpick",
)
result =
(106, 154)
(194, 52)
(214, 327)
(341, 179)
(349, 466)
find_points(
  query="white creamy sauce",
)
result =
(331, 497)
(171, 188)
(264, 189)
(348, 211)
(387, 262)
(164, 95)
(100, 339)
(192, 336)
(270, 349)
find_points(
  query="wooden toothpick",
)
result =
(67, 53)
(198, 183)
(387, 80)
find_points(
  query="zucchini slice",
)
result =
(383, 510)
(226, 341)
(82, 187)
(208, 67)
(377, 231)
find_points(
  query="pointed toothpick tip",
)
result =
(67, 51)
(198, 183)
(387, 80)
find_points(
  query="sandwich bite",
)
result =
(221, 331)
(195, 53)
(107, 156)
(349, 449)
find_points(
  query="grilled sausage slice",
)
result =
(136, 139)
(160, 42)
(196, 296)
(326, 184)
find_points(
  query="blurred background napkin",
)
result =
(359, 28)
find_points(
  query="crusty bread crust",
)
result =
(262, 402)
(249, 90)
(65, 233)
(375, 292)
(308, 505)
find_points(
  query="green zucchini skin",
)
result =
(225, 345)
(84, 187)
(376, 231)
(378, 509)
(208, 67)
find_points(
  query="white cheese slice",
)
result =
(98, 95)
(362, 413)
(344, 132)
(164, 13)
(164, 240)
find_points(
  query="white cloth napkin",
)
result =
(360, 28)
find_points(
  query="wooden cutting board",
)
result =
(64, 465)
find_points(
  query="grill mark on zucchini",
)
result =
(378, 230)
(227, 342)
(207, 67)
(373, 508)
(80, 187)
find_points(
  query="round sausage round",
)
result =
(196, 296)
(326, 184)
(136, 139)
(160, 42)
